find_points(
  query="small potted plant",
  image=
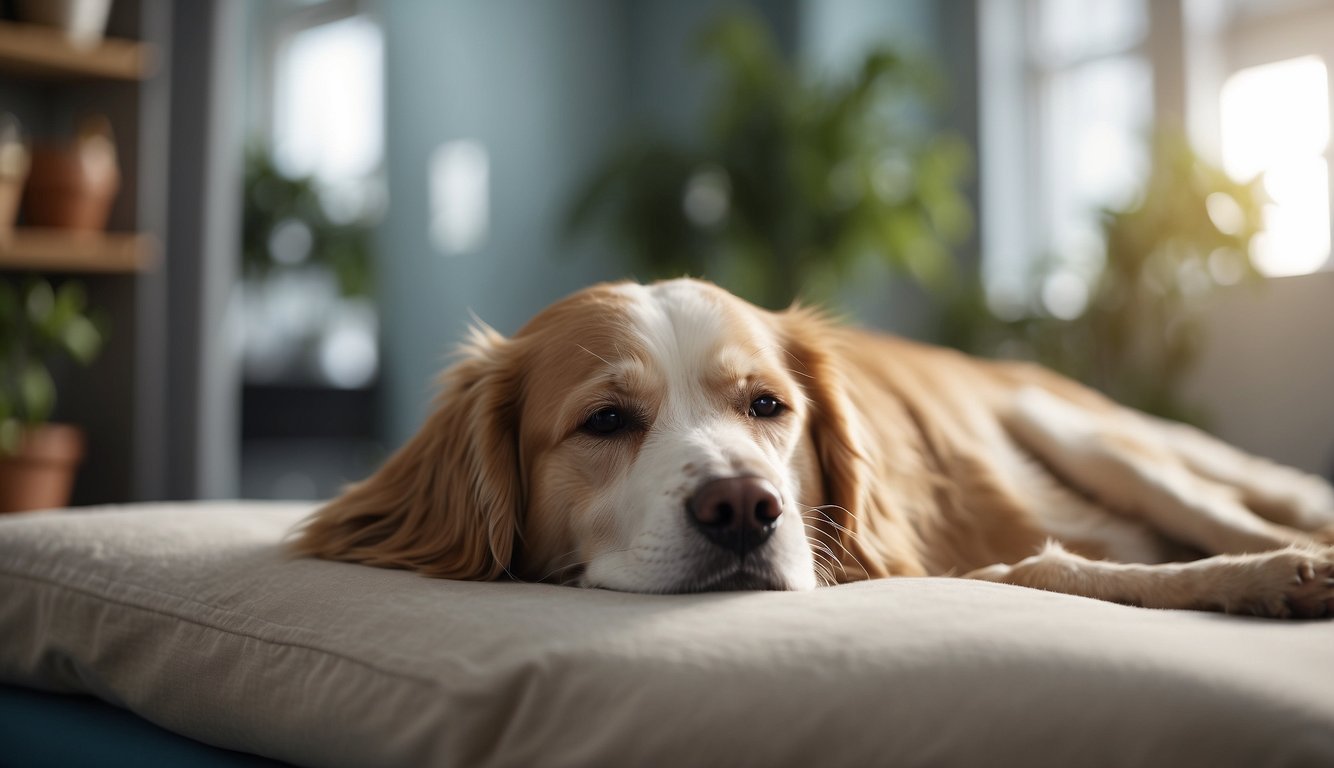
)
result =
(40, 326)
(1168, 254)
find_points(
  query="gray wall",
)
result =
(1267, 373)
(203, 407)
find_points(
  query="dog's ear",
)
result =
(855, 521)
(832, 426)
(448, 502)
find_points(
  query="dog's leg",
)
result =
(1289, 583)
(1281, 494)
(1111, 458)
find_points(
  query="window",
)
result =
(1274, 115)
(1069, 94)
(327, 110)
(313, 191)
(1067, 109)
(1275, 124)
(311, 320)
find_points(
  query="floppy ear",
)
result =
(859, 516)
(447, 503)
(832, 426)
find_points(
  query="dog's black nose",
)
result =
(736, 513)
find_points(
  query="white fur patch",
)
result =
(696, 435)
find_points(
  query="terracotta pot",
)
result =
(71, 186)
(40, 474)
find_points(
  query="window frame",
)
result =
(279, 23)
(1017, 229)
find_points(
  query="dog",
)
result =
(675, 438)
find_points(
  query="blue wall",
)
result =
(541, 86)
(547, 88)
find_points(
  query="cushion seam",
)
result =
(85, 593)
(56, 578)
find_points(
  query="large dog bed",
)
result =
(193, 617)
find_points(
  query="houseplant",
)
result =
(1187, 235)
(276, 204)
(40, 326)
(792, 180)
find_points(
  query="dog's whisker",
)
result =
(798, 360)
(574, 564)
(562, 568)
(851, 534)
(822, 545)
(824, 568)
(832, 523)
(823, 509)
(594, 354)
(826, 557)
(827, 552)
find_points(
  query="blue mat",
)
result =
(39, 729)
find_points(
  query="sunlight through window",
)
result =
(1275, 122)
(328, 97)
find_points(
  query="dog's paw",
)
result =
(1295, 583)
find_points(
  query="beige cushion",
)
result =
(192, 616)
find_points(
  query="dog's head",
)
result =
(663, 438)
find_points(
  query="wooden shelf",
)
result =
(38, 51)
(56, 250)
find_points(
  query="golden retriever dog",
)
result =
(674, 438)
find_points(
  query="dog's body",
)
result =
(673, 438)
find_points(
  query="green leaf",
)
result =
(82, 339)
(11, 431)
(40, 302)
(823, 173)
(929, 263)
(37, 393)
(70, 302)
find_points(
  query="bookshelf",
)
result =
(59, 251)
(31, 50)
(50, 84)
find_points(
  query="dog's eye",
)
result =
(765, 407)
(607, 421)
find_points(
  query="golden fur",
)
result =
(907, 460)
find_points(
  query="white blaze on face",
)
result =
(690, 342)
